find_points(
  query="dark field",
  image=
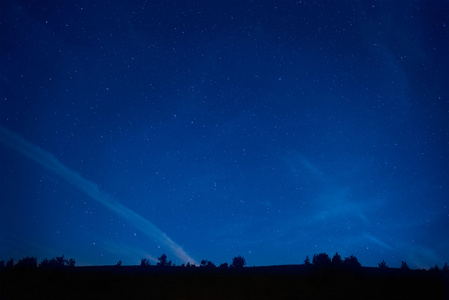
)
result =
(278, 282)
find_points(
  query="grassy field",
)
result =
(277, 282)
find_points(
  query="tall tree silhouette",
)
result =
(144, 262)
(307, 261)
(445, 267)
(321, 260)
(336, 260)
(351, 262)
(163, 261)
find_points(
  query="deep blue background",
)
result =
(268, 129)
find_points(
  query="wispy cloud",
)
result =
(309, 166)
(50, 162)
(420, 256)
(336, 202)
(377, 241)
(298, 163)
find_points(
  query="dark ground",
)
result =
(278, 282)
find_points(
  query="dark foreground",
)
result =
(281, 282)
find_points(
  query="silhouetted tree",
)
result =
(307, 261)
(224, 265)
(44, 263)
(9, 263)
(207, 263)
(445, 267)
(336, 260)
(351, 262)
(238, 262)
(144, 262)
(58, 262)
(189, 265)
(163, 261)
(27, 262)
(434, 268)
(321, 260)
(404, 266)
(70, 263)
(383, 265)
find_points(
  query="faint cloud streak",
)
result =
(377, 241)
(50, 162)
(297, 161)
(420, 256)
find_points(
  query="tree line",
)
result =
(31, 262)
(60, 262)
(321, 260)
(237, 262)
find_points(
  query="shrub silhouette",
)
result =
(27, 262)
(238, 262)
(119, 263)
(321, 260)
(224, 265)
(383, 265)
(404, 266)
(163, 261)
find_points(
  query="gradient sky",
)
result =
(211, 129)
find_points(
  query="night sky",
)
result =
(211, 129)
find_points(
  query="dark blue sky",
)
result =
(211, 129)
